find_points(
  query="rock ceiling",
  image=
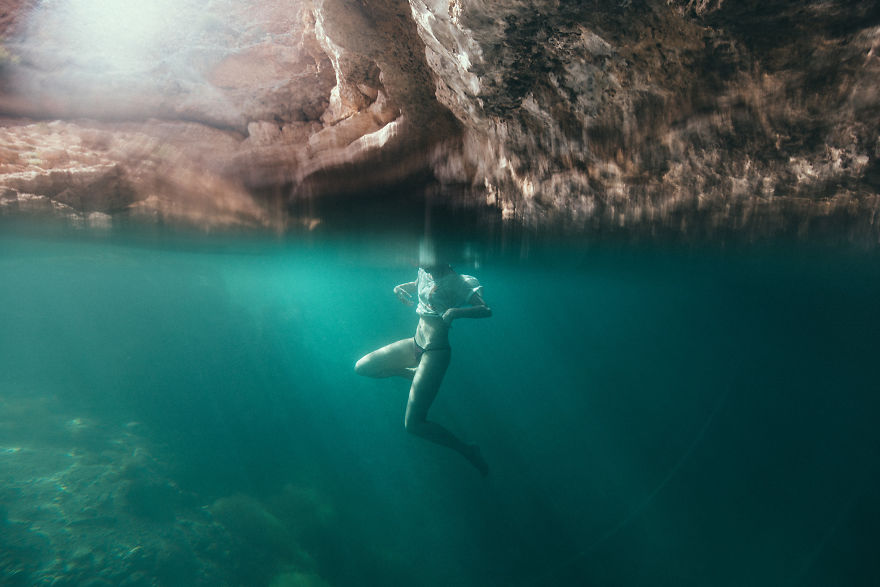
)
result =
(682, 115)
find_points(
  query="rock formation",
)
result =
(689, 116)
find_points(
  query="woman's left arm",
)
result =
(477, 309)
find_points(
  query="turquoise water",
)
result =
(186, 409)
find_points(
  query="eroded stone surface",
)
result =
(614, 115)
(646, 113)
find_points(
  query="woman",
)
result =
(443, 296)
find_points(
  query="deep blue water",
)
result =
(652, 415)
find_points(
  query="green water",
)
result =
(652, 415)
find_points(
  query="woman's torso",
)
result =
(432, 333)
(436, 295)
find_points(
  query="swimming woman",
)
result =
(443, 296)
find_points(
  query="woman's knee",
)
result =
(412, 426)
(363, 367)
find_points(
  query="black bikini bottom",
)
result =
(421, 351)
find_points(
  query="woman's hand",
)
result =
(403, 295)
(449, 316)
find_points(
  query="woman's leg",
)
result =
(396, 359)
(425, 386)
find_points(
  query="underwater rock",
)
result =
(297, 579)
(248, 520)
(85, 503)
(265, 542)
(150, 499)
(144, 491)
(20, 554)
(307, 511)
(176, 564)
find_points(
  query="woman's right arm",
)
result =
(406, 292)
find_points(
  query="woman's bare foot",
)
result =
(475, 457)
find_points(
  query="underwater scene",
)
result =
(184, 410)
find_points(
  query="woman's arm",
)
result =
(406, 292)
(478, 309)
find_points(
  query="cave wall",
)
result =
(240, 107)
(681, 115)
(664, 113)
